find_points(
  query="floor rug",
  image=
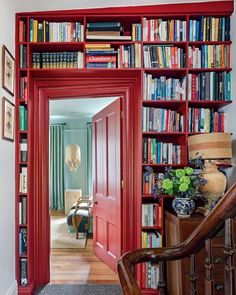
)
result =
(61, 237)
(79, 290)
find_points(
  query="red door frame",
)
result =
(125, 84)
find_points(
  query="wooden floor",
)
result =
(79, 266)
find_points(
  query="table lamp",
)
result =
(73, 157)
(212, 148)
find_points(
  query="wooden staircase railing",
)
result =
(224, 211)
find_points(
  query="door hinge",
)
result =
(122, 114)
(122, 183)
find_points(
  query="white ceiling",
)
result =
(43, 5)
(82, 108)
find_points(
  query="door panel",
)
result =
(107, 179)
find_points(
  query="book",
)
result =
(103, 25)
(23, 150)
(23, 272)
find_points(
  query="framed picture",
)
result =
(8, 119)
(8, 70)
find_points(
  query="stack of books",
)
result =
(106, 31)
(100, 56)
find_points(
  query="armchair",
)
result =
(80, 215)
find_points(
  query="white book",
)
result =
(20, 212)
(106, 37)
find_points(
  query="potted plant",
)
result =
(184, 185)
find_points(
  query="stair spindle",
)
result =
(193, 275)
(209, 282)
(229, 272)
(162, 281)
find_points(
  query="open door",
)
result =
(107, 184)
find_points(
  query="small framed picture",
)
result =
(8, 119)
(8, 70)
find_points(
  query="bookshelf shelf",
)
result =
(209, 42)
(209, 70)
(166, 81)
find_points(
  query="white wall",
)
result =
(7, 169)
(41, 5)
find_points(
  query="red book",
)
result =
(101, 58)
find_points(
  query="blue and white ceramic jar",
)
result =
(184, 207)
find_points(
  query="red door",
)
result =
(107, 184)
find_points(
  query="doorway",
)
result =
(123, 84)
(71, 181)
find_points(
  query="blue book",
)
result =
(104, 25)
(100, 52)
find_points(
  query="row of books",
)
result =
(151, 239)
(23, 241)
(150, 275)
(23, 211)
(164, 88)
(161, 120)
(45, 31)
(23, 180)
(104, 56)
(151, 215)
(23, 93)
(23, 118)
(172, 30)
(212, 86)
(209, 56)
(205, 120)
(23, 150)
(149, 180)
(23, 272)
(49, 60)
(158, 152)
(157, 56)
(209, 28)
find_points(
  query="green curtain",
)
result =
(57, 167)
(89, 159)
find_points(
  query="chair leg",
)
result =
(76, 225)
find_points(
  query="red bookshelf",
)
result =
(174, 41)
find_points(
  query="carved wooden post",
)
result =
(209, 282)
(162, 281)
(229, 259)
(193, 275)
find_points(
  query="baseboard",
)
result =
(13, 289)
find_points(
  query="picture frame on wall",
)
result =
(8, 119)
(8, 71)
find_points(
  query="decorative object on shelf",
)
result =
(73, 157)
(211, 147)
(184, 207)
(184, 184)
(8, 70)
(8, 119)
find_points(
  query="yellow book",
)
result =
(95, 46)
(35, 31)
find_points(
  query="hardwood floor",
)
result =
(79, 266)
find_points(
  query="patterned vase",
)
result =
(184, 207)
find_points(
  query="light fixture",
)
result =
(211, 147)
(73, 157)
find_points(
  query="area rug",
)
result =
(79, 290)
(62, 238)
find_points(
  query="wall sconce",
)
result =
(73, 157)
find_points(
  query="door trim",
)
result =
(121, 84)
